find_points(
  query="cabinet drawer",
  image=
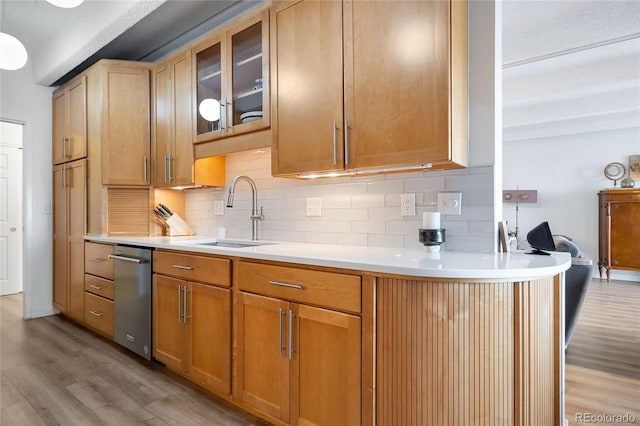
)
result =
(98, 286)
(98, 314)
(623, 197)
(193, 267)
(96, 260)
(328, 289)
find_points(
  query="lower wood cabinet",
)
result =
(99, 314)
(192, 330)
(297, 363)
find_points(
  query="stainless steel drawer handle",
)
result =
(281, 284)
(98, 314)
(126, 259)
(97, 287)
(187, 268)
(97, 260)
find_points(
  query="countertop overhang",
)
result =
(514, 265)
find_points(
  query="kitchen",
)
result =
(368, 197)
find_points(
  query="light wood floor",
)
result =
(603, 358)
(54, 372)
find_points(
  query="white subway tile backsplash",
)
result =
(361, 211)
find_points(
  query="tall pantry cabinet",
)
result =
(101, 167)
(69, 188)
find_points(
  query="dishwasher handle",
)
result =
(127, 259)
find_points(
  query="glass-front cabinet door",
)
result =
(232, 80)
(210, 105)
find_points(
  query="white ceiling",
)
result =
(567, 64)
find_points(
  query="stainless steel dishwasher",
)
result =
(132, 298)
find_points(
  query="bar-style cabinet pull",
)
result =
(166, 168)
(97, 259)
(281, 284)
(97, 287)
(280, 347)
(170, 158)
(346, 142)
(179, 303)
(185, 304)
(335, 143)
(186, 268)
(291, 350)
(97, 314)
(65, 142)
(144, 168)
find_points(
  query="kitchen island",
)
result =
(394, 336)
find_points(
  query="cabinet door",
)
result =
(625, 235)
(247, 71)
(126, 126)
(262, 363)
(77, 119)
(397, 88)
(76, 183)
(70, 122)
(325, 382)
(308, 88)
(60, 230)
(163, 123)
(169, 335)
(59, 128)
(210, 106)
(181, 162)
(209, 336)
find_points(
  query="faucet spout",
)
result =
(256, 214)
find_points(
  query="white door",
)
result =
(11, 228)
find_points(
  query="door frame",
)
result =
(23, 202)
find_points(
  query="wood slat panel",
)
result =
(444, 353)
(128, 211)
(535, 353)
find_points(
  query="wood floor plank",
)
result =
(603, 358)
(53, 371)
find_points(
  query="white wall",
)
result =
(567, 171)
(22, 100)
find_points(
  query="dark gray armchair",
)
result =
(577, 280)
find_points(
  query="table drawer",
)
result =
(98, 314)
(191, 267)
(96, 260)
(327, 289)
(98, 286)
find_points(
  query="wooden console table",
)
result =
(619, 230)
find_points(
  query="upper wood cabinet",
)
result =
(70, 121)
(119, 103)
(174, 163)
(366, 85)
(231, 75)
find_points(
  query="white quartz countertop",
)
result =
(410, 262)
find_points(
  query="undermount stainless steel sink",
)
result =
(229, 244)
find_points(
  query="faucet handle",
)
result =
(255, 216)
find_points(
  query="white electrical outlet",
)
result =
(218, 208)
(408, 204)
(450, 203)
(314, 206)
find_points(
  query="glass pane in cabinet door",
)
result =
(247, 74)
(208, 63)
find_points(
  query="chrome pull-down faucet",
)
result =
(255, 214)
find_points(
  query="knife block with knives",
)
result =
(172, 221)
